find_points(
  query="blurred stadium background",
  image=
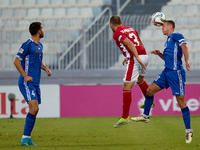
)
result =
(78, 43)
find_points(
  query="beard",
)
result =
(41, 35)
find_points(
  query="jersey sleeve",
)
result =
(179, 39)
(118, 36)
(23, 51)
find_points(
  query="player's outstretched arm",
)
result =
(186, 55)
(157, 52)
(45, 68)
(132, 48)
(17, 63)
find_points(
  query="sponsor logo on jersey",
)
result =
(21, 50)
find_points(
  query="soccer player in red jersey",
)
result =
(128, 40)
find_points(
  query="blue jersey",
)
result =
(31, 56)
(173, 52)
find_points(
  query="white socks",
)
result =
(25, 136)
(188, 130)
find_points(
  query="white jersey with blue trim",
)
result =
(173, 52)
(31, 55)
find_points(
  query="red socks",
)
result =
(126, 103)
(127, 98)
(143, 86)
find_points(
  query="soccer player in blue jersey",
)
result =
(173, 75)
(29, 63)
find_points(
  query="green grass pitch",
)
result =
(97, 133)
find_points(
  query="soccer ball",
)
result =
(158, 18)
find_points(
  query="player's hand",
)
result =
(125, 61)
(28, 78)
(155, 51)
(187, 64)
(48, 71)
(141, 63)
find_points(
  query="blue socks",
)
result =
(185, 111)
(147, 104)
(29, 124)
(186, 117)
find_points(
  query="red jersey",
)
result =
(123, 32)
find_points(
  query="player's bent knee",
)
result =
(150, 92)
(182, 104)
(34, 110)
(128, 85)
(181, 101)
(140, 79)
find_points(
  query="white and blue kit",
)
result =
(31, 55)
(173, 75)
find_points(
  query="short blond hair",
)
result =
(171, 22)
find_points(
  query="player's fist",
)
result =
(155, 51)
(125, 61)
(187, 64)
(48, 71)
(141, 62)
(28, 78)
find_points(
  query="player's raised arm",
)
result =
(157, 52)
(45, 68)
(132, 48)
(186, 55)
(21, 70)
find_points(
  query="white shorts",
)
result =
(134, 69)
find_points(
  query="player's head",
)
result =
(36, 28)
(168, 27)
(115, 21)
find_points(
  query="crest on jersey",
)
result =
(36, 51)
(21, 50)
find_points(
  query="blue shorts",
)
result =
(30, 91)
(175, 79)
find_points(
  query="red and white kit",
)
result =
(134, 69)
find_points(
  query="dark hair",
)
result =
(34, 28)
(116, 20)
(171, 22)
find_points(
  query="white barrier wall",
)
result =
(49, 107)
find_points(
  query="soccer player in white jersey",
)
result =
(29, 63)
(128, 40)
(173, 75)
